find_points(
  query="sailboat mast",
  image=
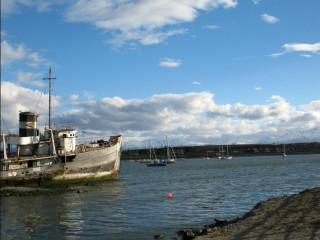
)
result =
(150, 148)
(168, 150)
(49, 95)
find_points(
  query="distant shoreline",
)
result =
(237, 150)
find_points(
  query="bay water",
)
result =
(137, 206)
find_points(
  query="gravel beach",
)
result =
(285, 217)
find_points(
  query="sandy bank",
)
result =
(286, 217)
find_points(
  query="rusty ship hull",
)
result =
(89, 164)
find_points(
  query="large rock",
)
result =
(188, 234)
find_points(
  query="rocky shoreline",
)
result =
(285, 217)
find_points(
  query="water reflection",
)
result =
(65, 215)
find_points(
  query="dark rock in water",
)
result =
(158, 236)
(188, 234)
(181, 232)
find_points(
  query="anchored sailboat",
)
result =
(169, 159)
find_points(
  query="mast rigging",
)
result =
(49, 78)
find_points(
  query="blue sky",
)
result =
(201, 71)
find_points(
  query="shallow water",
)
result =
(136, 205)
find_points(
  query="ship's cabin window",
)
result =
(30, 164)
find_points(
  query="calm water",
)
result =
(136, 205)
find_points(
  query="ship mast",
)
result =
(49, 78)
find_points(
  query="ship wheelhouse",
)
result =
(65, 140)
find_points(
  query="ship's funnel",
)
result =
(28, 124)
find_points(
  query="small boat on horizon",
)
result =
(157, 163)
(169, 159)
(284, 151)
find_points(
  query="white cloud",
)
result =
(88, 95)
(302, 47)
(29, 79)
(140, 20)
(298, 47)
(188, 118)
(144, 37)
(14, 6)
(276, 97)
(256, 1)
(279, 110)
(275, 55)
(212, 27)
(196, 83)
(155, 38)
(168, 62)
(257, 88)
(314, 106)
(269, 19)
(15, 98)
(12, 53)
(73, 97)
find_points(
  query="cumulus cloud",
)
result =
(280, 110)
(257, 88)
(141, 20)
(196, 83)
(15, 98)
(302, 47)
(188, 118)
(169, 62)
(314, 106)
(269, 19)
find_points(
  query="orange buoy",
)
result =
(169, 195)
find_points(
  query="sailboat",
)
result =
(228, 156)
(54, 157)
(154, 162)
(284, 151)
(169, 159)
(220, 156)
